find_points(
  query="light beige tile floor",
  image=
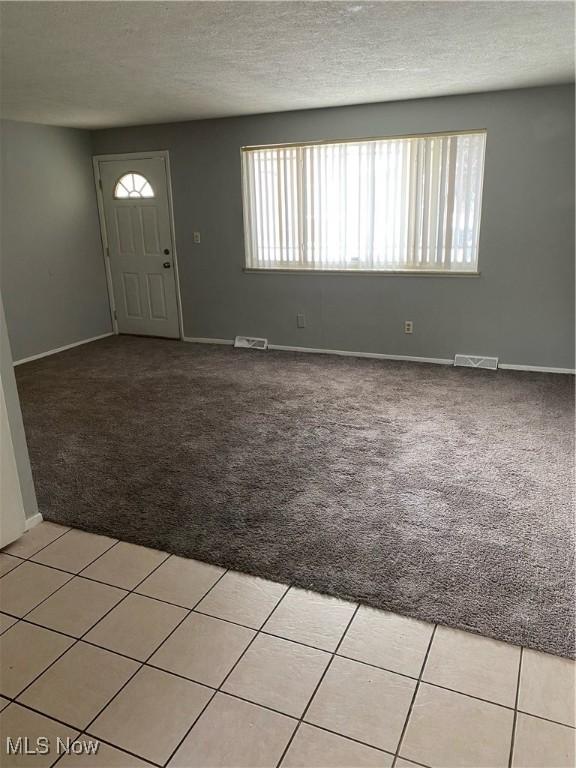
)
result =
(36, 539)
(313, 746)
(363, 702)
(310, 618)
(473, 664)
(203, 649)
(6, 622)
(79, 684)
(152, 714)
(136, 626)
(25, 652)
(243, 599)
(124, 565)
(172, 662)
(19, 721)
(180, 581)
(7, 563)
(278, 673)
(393, 642)
(77, 606)
(73, 551)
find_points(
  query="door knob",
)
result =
(166, 252)
(166, 265)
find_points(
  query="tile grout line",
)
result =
(316, 688)
(76, 640)
(219, 688)
(75, 573)
(138, 661)
(69, 573)
(460, 693)
(198, 682)
(142, 664)
(409, 713)
(215, 690)
(81, 732)
(86, 732)
(190, 611)
(224, 693)
(19, 561)
(187, 615)
(263, 632)
(80, 574)
(108, 744)
(258, 631)
(80, 638)
(299, 722)
(415, 764)
(60, 535)
(347, 738)
(546, 719)
(241, 698)
(515, 716)
(85, 729)
(28, 560)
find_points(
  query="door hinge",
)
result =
(100, 183)
(115, 314)
(107, 252)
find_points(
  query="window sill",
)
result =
(363, 272)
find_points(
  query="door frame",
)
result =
(163, 153)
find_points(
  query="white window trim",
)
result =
(416, 272)
(300, 267)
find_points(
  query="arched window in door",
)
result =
(133, 185)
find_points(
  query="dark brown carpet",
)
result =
(436, 492)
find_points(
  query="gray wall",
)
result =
(51, 266)
(521, 308)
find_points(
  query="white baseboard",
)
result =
(33, 521)
(376, 355)
(61, 349)
(316, 351)
(381, 356)
(200, 340)
(320, 351)
(535, 368)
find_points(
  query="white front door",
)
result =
(136, 209)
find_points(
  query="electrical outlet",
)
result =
(300, 320)
(408, 326)
(196, 236)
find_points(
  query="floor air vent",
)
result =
(476, 361)
(250, 342)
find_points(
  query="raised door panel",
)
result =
(150, 230)
(131, 290)
(157, 297)
(124, 231)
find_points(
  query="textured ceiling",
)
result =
(97, 64)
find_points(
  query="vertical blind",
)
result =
(391, 204)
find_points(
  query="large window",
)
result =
(400, 204)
